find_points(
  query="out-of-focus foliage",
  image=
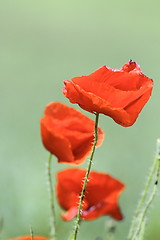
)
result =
(41, 44)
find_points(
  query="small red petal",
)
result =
(70, 214)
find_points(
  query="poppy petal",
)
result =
(67, 133)
(101, 197)
(112, 92)
(28, 237)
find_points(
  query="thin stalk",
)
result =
(31, 233)
(74, 236)
(51, 195)
(142, 230)
(139, 220)
(1, 226)
(149, 202)
(144, 194)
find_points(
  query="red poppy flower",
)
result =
(118, 93)
(67, 133)
(101, 197)
(29, 238)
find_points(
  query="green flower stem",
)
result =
(74, 236)
(51, 195)
(150, 200)
(143, 198)
(142, 230)
(1, 226)
(142, 208)
(31, 233)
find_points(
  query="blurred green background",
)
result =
(41, 44)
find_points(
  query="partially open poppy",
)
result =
(67, 133)
(28, 237)
(118, 93)
(101, 195)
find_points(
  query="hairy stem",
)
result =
(142, 230)
(74, 236)
(51, 196)
(143, 198)
(149, 202)
(141, 211)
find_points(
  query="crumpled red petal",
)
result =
(118, 93)
(101, 196)
(67, 133)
